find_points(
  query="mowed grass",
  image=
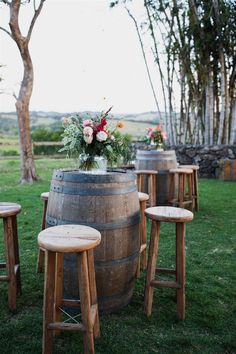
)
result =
(210, 324)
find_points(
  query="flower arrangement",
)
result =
(95, 136)
(155, 136)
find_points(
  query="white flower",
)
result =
(101, 136)
(88, 135)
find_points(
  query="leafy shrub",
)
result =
(43, 134)
(46, 135)
(9, 153)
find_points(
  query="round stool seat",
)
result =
(45, 195)
(169, 214)
(9, 209)
(143, 196)
(69, 238)
(185, 170)
(146, 172)
(192, 167)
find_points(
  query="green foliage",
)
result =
(210, 324)
(95, 136)
(45, 134)
(9, 152)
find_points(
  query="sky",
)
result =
(86, 56)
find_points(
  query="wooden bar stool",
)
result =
(142, 262)
(184, 195)
(195, 169)
(150, 175)
(56, 241)
(179, 217)
(8, 212)
(40, 260)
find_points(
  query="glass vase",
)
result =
(159, 147)
(92, 164)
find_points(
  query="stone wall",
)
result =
(206, 157)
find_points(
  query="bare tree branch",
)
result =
(144, 57)
(36, 14)
(6, 31)
(6, 2)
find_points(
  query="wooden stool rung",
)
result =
(165, 270)
(62, 326)
(165, 284)
(70, 303)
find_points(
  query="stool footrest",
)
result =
(176, 201)
(165, 270)
(165, 284)
(66, 326)
(70, 303)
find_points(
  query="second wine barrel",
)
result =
(109, 203)
(161, 161)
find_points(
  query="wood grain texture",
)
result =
(9, 209)
(69, 238)
(169, 214)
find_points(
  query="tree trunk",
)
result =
(28, 171)
(233, 123)
(223, 100)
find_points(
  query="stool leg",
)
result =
(16, 253)
(40, 259)
(85, 302)
(151, 267)
(10, 262)
(171, 188)
(142, 259)
(48, 304)
(58, 289)
(190, 191)
(93, 291)
(180, 268)
(182, 184)
(152, 189)
(143, 236)
(196, 190)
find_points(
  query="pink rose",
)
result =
(87, 123)
(66, 120)
(88, 135)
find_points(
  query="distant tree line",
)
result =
(197, 39)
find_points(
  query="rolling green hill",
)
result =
(135, 124)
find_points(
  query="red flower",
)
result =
(100, 127)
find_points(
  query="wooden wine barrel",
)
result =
(227, 170)
(161, 161)
(109, 203)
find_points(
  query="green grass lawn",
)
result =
(210, 325)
